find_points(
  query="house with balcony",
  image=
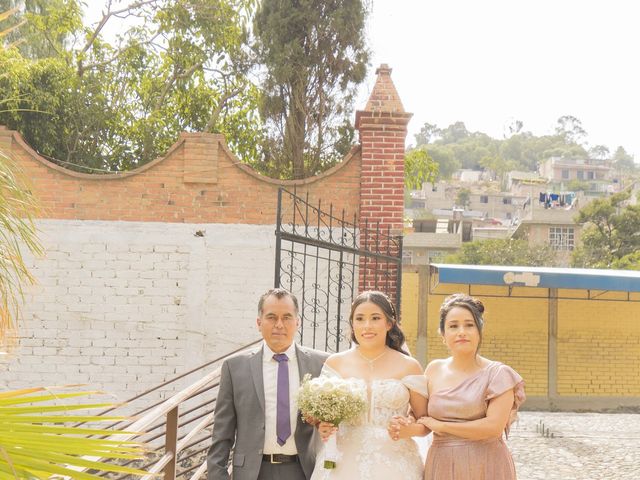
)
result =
(596, 174)
(555, 226)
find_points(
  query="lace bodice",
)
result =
(366, 450)
(386, 397)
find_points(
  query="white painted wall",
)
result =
(122, 306)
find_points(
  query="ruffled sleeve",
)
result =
(503, 379)
(417, 383)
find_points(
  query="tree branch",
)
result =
(213, 118)
(83, 68)
(107, 15)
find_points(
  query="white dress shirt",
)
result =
(270, 380)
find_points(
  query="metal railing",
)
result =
(177, 430)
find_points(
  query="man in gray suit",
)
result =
(256, 414)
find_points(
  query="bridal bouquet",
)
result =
(333, 400)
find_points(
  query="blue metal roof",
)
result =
(544, 277)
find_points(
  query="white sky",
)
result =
(486, 62)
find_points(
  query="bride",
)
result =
(394, 381)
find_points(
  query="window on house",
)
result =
(484, 199)
(590, 176)
(562, 238)
(580, 175)
(506, 200)
(565, 174)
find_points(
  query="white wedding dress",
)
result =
(366, 452)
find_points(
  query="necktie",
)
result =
(283, 423)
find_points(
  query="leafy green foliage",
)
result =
(37, 442)
(313, 53)
(17, 233)
(181, 65)
(463, 198)
(504, 252)
(456, 147)
(623, 162)
(611, 235)
(419, 168)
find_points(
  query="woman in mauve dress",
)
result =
(471, 401)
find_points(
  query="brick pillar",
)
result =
(383, 129)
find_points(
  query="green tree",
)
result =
(428, 133)
(31, 42)
(455, 147)
(600, 152)
(419, 168)
(622, 161)
(570, 129)
(513, 128)
(504, 252)
(35, 438)
(183, 65)
(463, 198)
(11, 23)
(610, 237)
(444, 156)
(314, 55)
(498, 166)
(454, 133)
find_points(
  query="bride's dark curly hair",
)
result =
(395, 338)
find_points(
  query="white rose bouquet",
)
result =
(333, 400)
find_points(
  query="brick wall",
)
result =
(198, 181)
(123, 306)
(597, 346)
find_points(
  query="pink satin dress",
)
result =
(456, 458)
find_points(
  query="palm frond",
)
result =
(37, 441)
(18, 208)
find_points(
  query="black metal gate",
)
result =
(323, 258)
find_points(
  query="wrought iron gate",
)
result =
(323, 257)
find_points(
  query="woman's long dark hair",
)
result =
(395, 337)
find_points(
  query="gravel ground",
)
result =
(579, 446)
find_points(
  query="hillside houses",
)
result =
(539, 207)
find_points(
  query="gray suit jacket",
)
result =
(239, 417)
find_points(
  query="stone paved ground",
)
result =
(584, 446)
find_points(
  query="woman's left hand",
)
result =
(397, 427)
